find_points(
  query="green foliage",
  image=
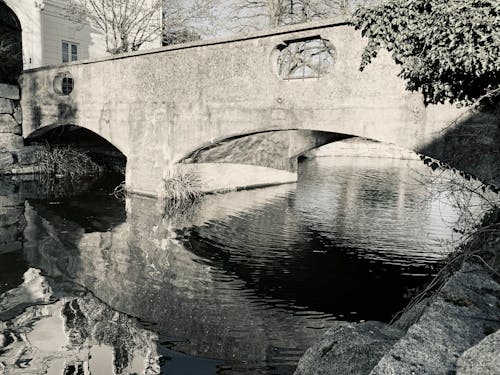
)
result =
(448, 49)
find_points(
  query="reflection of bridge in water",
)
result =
(221, 285)
(139, 269)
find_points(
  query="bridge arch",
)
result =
(269, 157)
(272, 148)
(51, 132)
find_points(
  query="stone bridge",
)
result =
(238, 111)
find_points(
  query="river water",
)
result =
(242, 283)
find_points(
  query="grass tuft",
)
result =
(180, 191)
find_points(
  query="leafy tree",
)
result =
(447, 49)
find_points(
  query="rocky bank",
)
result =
(455, 331)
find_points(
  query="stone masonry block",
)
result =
(9, 91)
(9, 125)
(6, 106)
(6, 160)
(18, 115)
(10, 141)
(27, 155)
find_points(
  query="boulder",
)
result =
(349, 349)
(481, 359)
(6, 106)
(463, 312)
(9, 91)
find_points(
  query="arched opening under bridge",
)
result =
(100, 150)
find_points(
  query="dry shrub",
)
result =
(64, 161)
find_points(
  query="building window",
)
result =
(69, 52)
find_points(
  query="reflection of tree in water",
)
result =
(88, 320)
(88, 325)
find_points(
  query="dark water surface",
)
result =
(241, 284)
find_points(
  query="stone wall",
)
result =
(10, 124)
(15, 158)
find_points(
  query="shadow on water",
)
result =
(243, 285)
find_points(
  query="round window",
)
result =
(64, 83)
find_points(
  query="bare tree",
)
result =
(126, 24)
(261, 14)
(187, 20)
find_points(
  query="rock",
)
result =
(9, 125)
(10, 247)
(6, 160)
(9, 91)
(481, 359)
(18, 115)
(27, 169)
(6, 106)
(349, 349)
(6, 220)
(27, 155)
(10, 141)
(411, 316)
(465, 309)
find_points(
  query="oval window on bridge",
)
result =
(305, 58)
(63, 83)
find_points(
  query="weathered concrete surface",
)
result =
(220, 177)
(278, 149)
(359, 147)
(349, 349)
(158, 107)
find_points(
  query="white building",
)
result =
(49, 37)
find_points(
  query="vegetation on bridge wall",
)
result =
(447, 49)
